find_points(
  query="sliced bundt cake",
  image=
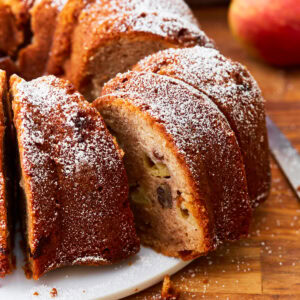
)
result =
(187, 180)
(75, 190)
(234, 91)
(6, 185)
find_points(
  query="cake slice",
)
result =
(187, 179)
(6, 185)
(231, 87)
(74, 185)
(75, 12)
(100, 45)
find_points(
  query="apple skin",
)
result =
(269, 29)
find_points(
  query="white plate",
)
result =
(104, 282)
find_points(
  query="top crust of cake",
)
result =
(112, 7)
(202, 136)
(237, 95)
(73, 177)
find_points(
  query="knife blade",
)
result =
(285, 154)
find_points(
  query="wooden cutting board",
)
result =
(267, 264)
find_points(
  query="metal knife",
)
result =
(285, 154)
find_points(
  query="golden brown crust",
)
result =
(6, 263)
(234, 91)
(74, 180)
(202, 137)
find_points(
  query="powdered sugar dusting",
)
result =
(165, 25)
(201, 134)
(110, 7)
(74, 173)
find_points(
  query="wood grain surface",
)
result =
(267, 264)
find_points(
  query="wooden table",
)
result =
(267, 264)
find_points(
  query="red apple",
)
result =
(268, 28)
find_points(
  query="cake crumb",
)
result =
(35, 294)
(168, 292)
(53, 292)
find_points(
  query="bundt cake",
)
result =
(187, 180)
(6, 186)
(230, 86)
(74, 185)
(191, 124)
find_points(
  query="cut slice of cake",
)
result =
(98, 45)
(75, 190)
(188, 186)
(75, 12)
